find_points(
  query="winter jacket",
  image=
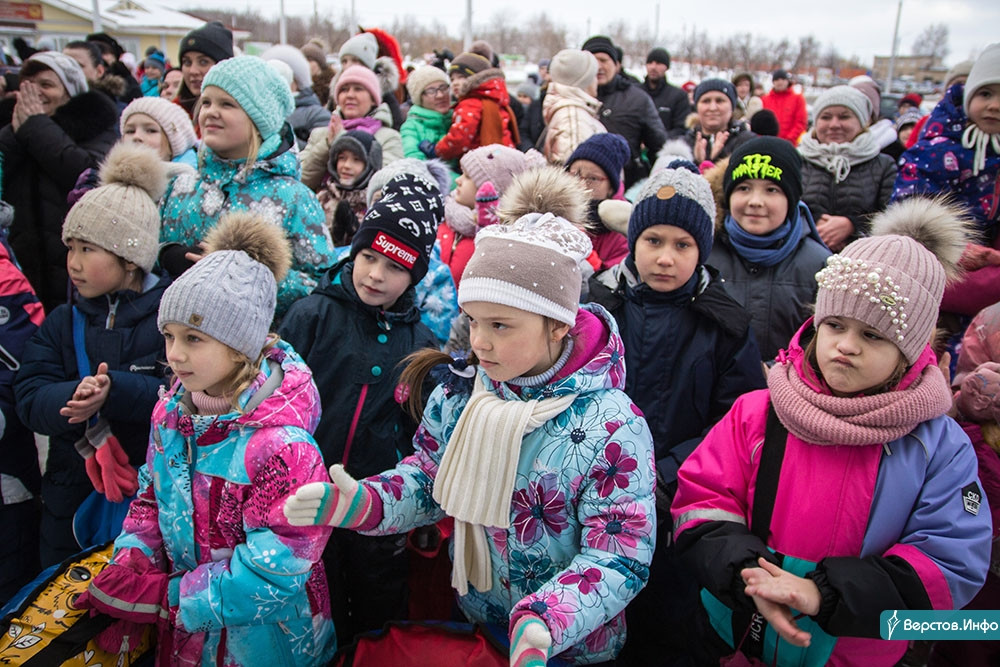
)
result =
(672, 104)
(939, 163)
(570, 119)
(193, 204)
(582, 522)
(738, 134)
(628, 111)
(423, 124)
(886, 524)
(307, 116)
(20, 316)
(687, 359)
(41, 162)
(121, 331)
(790, 109)
(244, 582)
(150, 87)
(456, 249)
(355, 352)
(316, 154)
(858, 197)
(779, 298)
(483, 108)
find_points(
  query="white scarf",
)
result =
(475, 482)
(839, 158)
(973, 137)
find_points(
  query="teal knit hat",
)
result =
(256, 87)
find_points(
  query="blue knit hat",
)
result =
(256, 87)
(678, 196)
(608, 151)
(720, 85)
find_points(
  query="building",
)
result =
(911, 68)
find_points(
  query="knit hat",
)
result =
(155, 60)
(283, 70)
(528, 88)
(659, 55)
(434, 171)
(231, 292)
(171, 118)
(364, 146)
(574, 67)
(362, 46)
(720, 85)
(362, 76)
(468, 64)
(894, 279)
(532, 264)
(402, 225)
(602, 44)
(770, 159)
(764, 123)
(678, 196)
(213, 39)
(985, 71)
(845, 96)
(908, 117)
(780, 74)
(257, 88)
(105, 38)
(495, 163)
(608, 151)
(121, 215)
(871, 90)
(421, 78)
(315, 51)
(67, 69)
(911, 98)
(294, 58)
(958, 69)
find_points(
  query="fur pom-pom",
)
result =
(263, 241)
(939, 224)
(614, 213)
(135, 165)
(545, 190)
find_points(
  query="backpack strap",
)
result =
(80, 349)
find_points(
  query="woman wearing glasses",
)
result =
(430, 116)
(571, 105)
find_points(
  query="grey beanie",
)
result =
(67, 69)
(984, 72)
(846, 96)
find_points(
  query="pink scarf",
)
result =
(823, 419)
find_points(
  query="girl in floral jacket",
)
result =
(205, 552)
(554, 521)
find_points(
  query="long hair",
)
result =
(246, 372)
(417, 365)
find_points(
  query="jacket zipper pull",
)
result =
(885, 446)
(112, 309)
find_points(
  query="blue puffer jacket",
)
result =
(193, 204)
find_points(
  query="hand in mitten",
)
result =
(109, 464)
(979, 398)
(174, 260)
(427, 148)
(85, 182)
(487, 200)
(530, 640)
(132, 592)
(342, 504)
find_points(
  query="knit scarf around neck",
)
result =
(839, 158)
(364, 124)
(823, 419)
(771, 248)
(475, 482)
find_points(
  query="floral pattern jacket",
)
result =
(582, 522)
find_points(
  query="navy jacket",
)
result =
(627, 110)
(354, 351)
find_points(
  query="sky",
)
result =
(856, 27)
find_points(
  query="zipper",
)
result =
(112, 309)
(354, 424)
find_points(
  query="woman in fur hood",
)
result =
(59, 128)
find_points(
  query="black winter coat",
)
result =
(628, 111)
(354, 352)
(687, 359)
(672, 104)
(41, 162)
(861, 195)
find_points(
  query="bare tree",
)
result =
(932, 42)
(808, 54)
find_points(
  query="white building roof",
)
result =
(132, 15)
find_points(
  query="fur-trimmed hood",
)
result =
(388, 74)
(488, 83)
(86, 116)
(110, 84)
(715, 177)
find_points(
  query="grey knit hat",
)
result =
(845, 96)
(985, 70)
(67, 69)
(231, 293)
(363, 46)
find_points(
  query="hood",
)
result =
(561, 95)
(383, 114)
(337, 284)
(275, 158)
(488, 84)
(715, 177)
(596, 363)
(948, 118)
(388, 74)
(110, 84)
(306, 98)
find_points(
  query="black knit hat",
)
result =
(402, 225)
(659, 55)
(364, 146)
(104, 37)
(721, 85)
(213, 39)
(608, 151)
(770, 159)
(764, 123)
(780, 74)
(602, 44)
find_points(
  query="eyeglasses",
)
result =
(439, 90)
(589, 180)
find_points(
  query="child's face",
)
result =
(153, 73)
(465, 191)
(984, 108)
(511, 342)
(904, 133)
(378, 280)
(854, 357)
(758, 206)
(199, 361)
(225, 127)
(593, 177)
(666, 257)
(456, 83)
(524, 99)
(142, 129)
(349, 167)
(94, 271)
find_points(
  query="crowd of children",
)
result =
(658, 425)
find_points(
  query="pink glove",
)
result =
(530, 640)
(487, 201)
(132, 592)
(107, 463)
(979, 398)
